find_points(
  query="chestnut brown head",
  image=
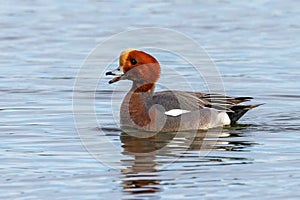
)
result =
(137, 66)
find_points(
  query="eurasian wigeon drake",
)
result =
(169, 111)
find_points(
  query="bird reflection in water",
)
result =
(148, 154)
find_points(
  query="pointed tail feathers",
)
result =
(239, 111)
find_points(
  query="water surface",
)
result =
(255, 46)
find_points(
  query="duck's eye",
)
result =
(133, 61)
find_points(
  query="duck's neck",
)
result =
(142, 87)
(139, 101)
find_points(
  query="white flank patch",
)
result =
(176, 112)
(224, 118)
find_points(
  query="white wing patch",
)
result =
(176, 112)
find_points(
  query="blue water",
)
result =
(255, 46)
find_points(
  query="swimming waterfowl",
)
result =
(169, 111)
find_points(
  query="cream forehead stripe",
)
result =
(124, 55)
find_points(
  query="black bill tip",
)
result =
(109, 73)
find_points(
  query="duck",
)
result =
(171, 110)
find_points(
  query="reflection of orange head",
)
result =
(139, 67)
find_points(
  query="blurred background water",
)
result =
(255, 45)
